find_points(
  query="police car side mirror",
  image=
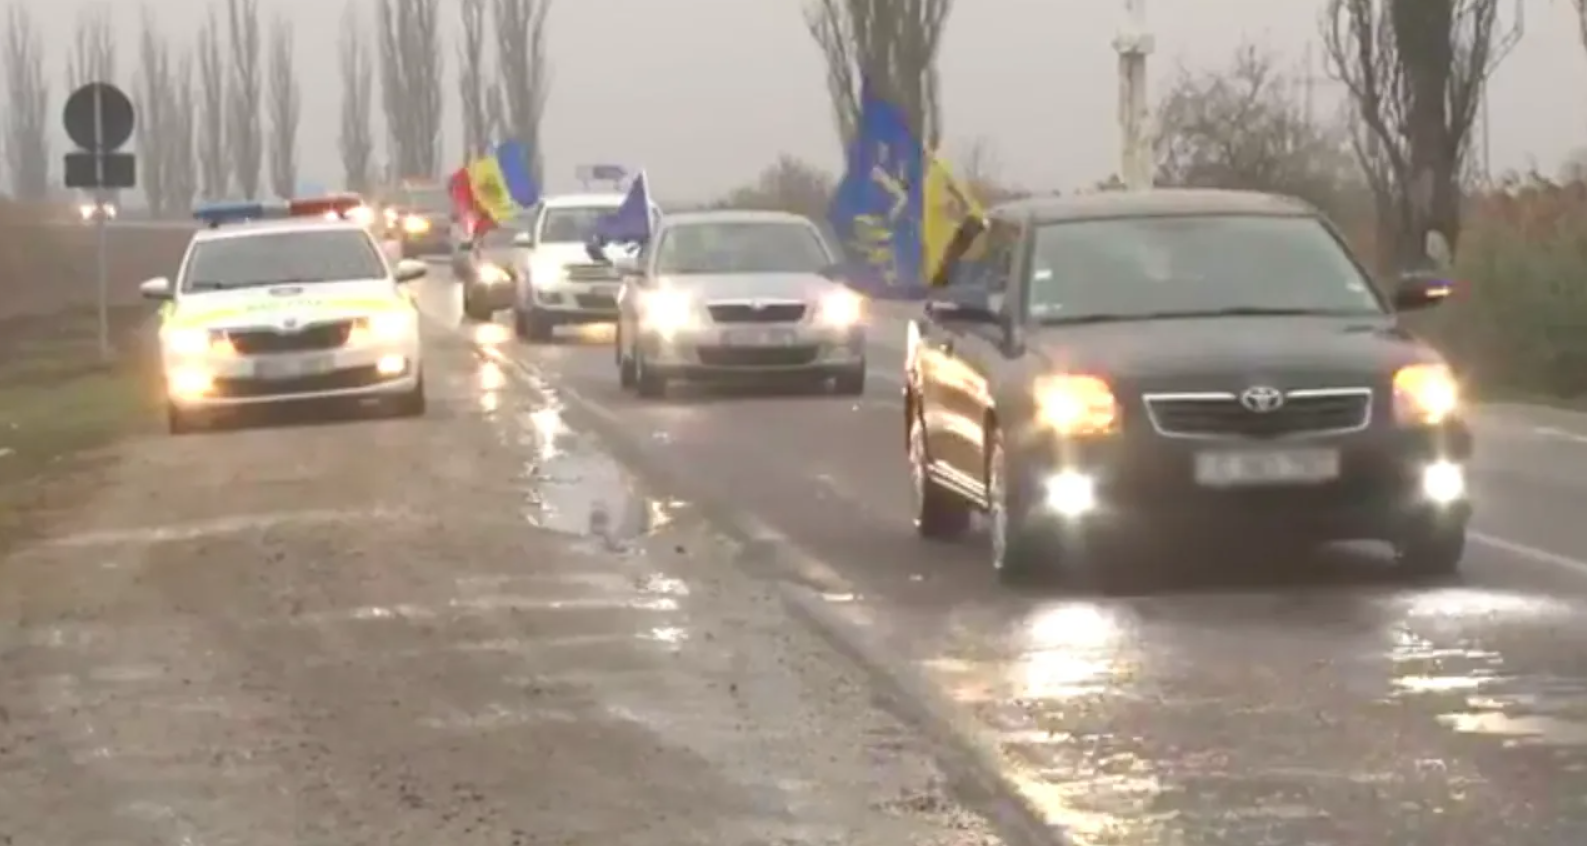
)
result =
(158, 288)
(409, 270)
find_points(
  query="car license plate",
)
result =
(758, 338)
(1266, 467)
(293, 367)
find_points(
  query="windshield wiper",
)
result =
(1233, 311)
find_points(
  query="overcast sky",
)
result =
(703, 93)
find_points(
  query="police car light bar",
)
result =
(219, 214)
(334, 207)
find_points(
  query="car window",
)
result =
(1137, 266)
(502, 235)
(571, 224)
(428, 200)
(710, 248)
(279, 258)
(989, 262)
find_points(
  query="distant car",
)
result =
(91, 210)
(422, 219)
(270, 311)
(556, 282)
(1175, 367)
(737, 296)
(488, 268)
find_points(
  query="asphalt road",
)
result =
(470, 628)
(1275, 702)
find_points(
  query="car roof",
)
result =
(1158, 202)
(569, 201)
(275, 227)
(733, 216)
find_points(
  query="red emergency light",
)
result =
(333, 206)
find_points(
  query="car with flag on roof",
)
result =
(292, 302)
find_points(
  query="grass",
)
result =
(60, 406)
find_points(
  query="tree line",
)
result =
(219, 110)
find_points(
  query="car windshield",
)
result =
(428, 200)
(700, 248)
(1154, 266)
(571, 224)
(281, 258)
(502, 236)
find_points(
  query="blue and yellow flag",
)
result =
(501, 182)
(897, 207)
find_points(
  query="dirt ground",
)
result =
(469, 628)
(48, 264)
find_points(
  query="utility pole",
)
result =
(1133, 44)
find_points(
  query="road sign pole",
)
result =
(101, 200)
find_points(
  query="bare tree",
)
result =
(1416, 72)
(285, 107)
(471, 69)
(93, 54)
(180, 164)
(525, 71)
(411, 71)
(495, 111)
(357, 140)
(27, 145)
(893, 43)
(1243, 127)
(245, 132)
(214, 165)
(152, 96)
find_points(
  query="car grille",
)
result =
(748, 313)
(338, 380)
(757, 356)
(322, 336)
(592, 273)
(604, 302)
(1303, 413)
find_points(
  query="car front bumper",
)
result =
(716, 353)
(349, 373)
(1391, 480)
(576, 303)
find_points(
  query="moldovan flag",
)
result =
(490, 189)
(466, 207)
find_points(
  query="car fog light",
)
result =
(391, 365)
(188, 383)
(1444, 482)
(1071, 494)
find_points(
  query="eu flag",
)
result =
(878, 208)
(630, 223)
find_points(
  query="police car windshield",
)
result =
(571, 224)
(708, 248)
(281, 258)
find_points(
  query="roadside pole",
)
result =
(1133, 44)
(99, 119)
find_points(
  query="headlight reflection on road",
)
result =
(1070, 649)
(491, 334)
(491, 381)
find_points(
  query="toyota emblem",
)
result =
(1262, 399)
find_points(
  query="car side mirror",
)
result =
(409, 270)
(523, 239)
(158, 288)
(964, 306)
(1421, 289)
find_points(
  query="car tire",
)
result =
(627, 375)
(1431, 551)
(532, 326)
(850, 383)
(649, 383)
(940, 514)
(474, 312)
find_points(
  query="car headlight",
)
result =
(841, 308)
(363, 215)
(86, 210)
(1425, 394)
(415, 225)
(1072, 405)
(194, 343)
(383, 326)
(666, 312)
(391, 217)
(548, 276)
(493, 274)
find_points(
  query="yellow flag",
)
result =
(490, 189)
(945, 205)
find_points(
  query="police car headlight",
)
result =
(386, 326)
(188, 342)
(841, 309)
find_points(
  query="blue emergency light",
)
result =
(334, 207)
(216, 215)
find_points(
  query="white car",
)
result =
(270, 311)
(557, 283)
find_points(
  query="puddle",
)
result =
(1535, 729)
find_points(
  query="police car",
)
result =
(287, 303)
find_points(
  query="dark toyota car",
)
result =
(1130, 371)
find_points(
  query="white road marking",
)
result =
(1560, 434)
(223, 526)
(1529, 552)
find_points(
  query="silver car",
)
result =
(737, 296)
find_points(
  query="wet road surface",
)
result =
(1278, 702)
(470, 628)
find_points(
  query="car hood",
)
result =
(277, 304)
(750, 286)
(1232, 353)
